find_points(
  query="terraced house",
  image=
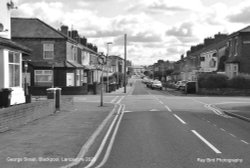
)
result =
(239, 53)
(11, 59)
(59, 58)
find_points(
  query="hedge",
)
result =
(212, 81)
(241, 81)
(219, 81)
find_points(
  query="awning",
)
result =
(76, 65)
(45, 64)
(89, 67)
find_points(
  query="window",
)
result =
(48, 50)
(14, 69)
(202, 58)
(78, 77)
(236, 46)
(43, 77)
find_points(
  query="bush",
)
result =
(241, 81)
(212, 81)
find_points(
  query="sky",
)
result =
(156, 29)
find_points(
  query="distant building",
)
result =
(137, 69)
(239, 48)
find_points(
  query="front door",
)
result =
(70, 79)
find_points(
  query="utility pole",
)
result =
(101, 63)
(107, 88)
(125, 61)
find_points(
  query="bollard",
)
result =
(58, 99)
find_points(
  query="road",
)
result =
(160, 130)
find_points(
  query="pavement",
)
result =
(44, 143)
(238, 110)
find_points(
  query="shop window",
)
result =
(14, 69)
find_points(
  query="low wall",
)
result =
(66, 90)
(225, 92)
(17, 115)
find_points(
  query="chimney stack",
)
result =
(64, 30)
(208, 41)
(219, 37)
(83, 41)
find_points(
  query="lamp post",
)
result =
(125, 61)
(101, 62)
(26, 90)
(25, 80)
(109, 43)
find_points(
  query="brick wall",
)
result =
(36, 45)
(18, 115)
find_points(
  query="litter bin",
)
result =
(5, 97)
(190, 87)
(51, 93)
(58, 98)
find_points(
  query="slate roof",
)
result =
(244, 30)
(34, 28)
(215, 46)
(11, 44)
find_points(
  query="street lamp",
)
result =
(109, 43)
(26, 91)
(101, 62)
(125, 62)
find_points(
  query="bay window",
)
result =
(14, 69)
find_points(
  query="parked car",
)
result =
(180, 85)
(145, 80)
(156, 85)
(149, 83)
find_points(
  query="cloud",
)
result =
(241, 16)
(184, 30)
(164, 6)
(41, 10)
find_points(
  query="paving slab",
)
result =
(44, 143)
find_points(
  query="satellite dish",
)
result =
(1, 27)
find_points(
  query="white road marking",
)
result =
(128, 111)
(104, 141)
(244, 142)
(216, 111)
(154, 110)
(222, 129)
(119, 101)
(209, 106)
(183, 122)
(206, 142)
(116, 97)
(90, 141)
(109, 148)
(232, 135)
(168, 108)
(161, 102)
